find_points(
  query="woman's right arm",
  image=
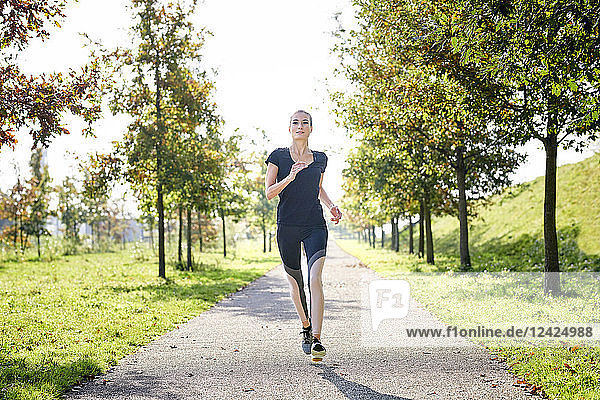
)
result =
(272, 187)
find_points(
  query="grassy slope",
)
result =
(513, 223)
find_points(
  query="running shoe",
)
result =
(318, 351)
(307, 339)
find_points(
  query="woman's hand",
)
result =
(300, 165)
(337, 214)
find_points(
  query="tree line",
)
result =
(174, 155)
(442, 93)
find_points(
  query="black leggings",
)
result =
(315, 243)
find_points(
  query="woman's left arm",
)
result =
(335, 211)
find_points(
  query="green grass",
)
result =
(72, 318)
(509, 232)
(507, 235)
(568, 371)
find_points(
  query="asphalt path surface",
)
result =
(247, 346)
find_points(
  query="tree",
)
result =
(263, 210)
(164, 79)
(38, 191)
(418, 88)
(231, 196)
(545, 57)
(39, 102)
(100, 173)
(71, 209)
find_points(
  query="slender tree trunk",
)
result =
(200, 230)
(411, 249)
(224, 235)
(264, 231)
(428, 234)
(169, 229)
(21, 232)
(16, 231)
(393, 234)
(465, 257)
(270, 240)
(180, 237)
(159, 189)
(374, 236)
(161, 233)
(189, 238)
(421, 229)
(151, 223)
(382, 237)
(109, 238)
(397, 228)
(369, 232)
(38, 246)
(551, 266)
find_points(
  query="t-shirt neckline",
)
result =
(290, 156)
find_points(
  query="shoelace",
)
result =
(307, 334)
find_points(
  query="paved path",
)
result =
(248, 347)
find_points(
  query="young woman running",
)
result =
(296, 175)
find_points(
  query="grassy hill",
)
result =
(509, 231)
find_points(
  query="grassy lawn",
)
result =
(570, 370)
(65, 320)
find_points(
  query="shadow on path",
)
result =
(353, 390)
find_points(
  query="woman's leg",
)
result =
(288, 240)
(315, 245)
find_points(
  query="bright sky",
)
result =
(272, 57)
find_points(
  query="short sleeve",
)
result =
(273, 158)
(324, 165)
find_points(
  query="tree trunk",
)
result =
(374, 236)
(411, 249)
(109, 238)
(397, 228)
(180, 237)
(159, 200)
(169, 230)
(421, 229)
(382, 237)
(369, 233)
(270, 240)
(393, 234)
(264, 231)
(200, 230)
(551, 266)
(38, 246)
(224, 235)
(465, 257)
(428, 234)
(161, 233)
(189, 238)
(151, 223)
(15, 233)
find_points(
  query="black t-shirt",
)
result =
(299, 201)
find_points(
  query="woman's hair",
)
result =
(302, 111)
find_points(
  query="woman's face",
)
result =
(300, 127)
